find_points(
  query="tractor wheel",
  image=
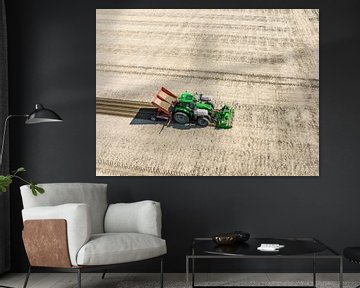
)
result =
(203, 122)
(181, 118)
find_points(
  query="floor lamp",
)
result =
(39, 115)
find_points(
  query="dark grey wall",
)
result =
(52, 61)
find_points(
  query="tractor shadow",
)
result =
(143, 117)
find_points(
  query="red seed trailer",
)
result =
(164, 101)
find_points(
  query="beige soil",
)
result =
(264, 63)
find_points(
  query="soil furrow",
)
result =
(122, 102)
(124, 108)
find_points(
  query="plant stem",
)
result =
(22, 179)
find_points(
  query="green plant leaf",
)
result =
(20, 169)
(5, 182)
(33, 189)
(39, 189)
(36, 189)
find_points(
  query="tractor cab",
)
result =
(186, 100)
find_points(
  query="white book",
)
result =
(270, 247)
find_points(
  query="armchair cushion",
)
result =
(78, 221)
(138, 217)
(113, 248)
(92, 194)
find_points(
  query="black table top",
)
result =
(203, 246)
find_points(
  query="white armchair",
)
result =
(72, 228)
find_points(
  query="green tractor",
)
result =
(190, 109)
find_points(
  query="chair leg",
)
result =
(27, 277)
(161, 273)
(103, 275)
(79, 277)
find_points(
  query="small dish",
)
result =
(225, 239)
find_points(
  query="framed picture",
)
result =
(207, 92)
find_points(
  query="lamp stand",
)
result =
(4, 135)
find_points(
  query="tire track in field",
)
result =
(193, 25)
(209, 75)
(195, 53)
(178, 15)
(231, 39)
(287, 42)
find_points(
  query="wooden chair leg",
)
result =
(27, 277)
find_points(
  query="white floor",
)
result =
(117, 280)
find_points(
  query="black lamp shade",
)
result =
(42, 115)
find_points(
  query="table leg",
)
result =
(187, 272)
(314, 271)
(193, 272)
(193, 267)
(341, 273)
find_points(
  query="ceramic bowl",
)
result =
(225, 239)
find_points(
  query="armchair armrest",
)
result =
(78, 225)
(138, 217)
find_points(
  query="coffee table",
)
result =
(295, 248)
